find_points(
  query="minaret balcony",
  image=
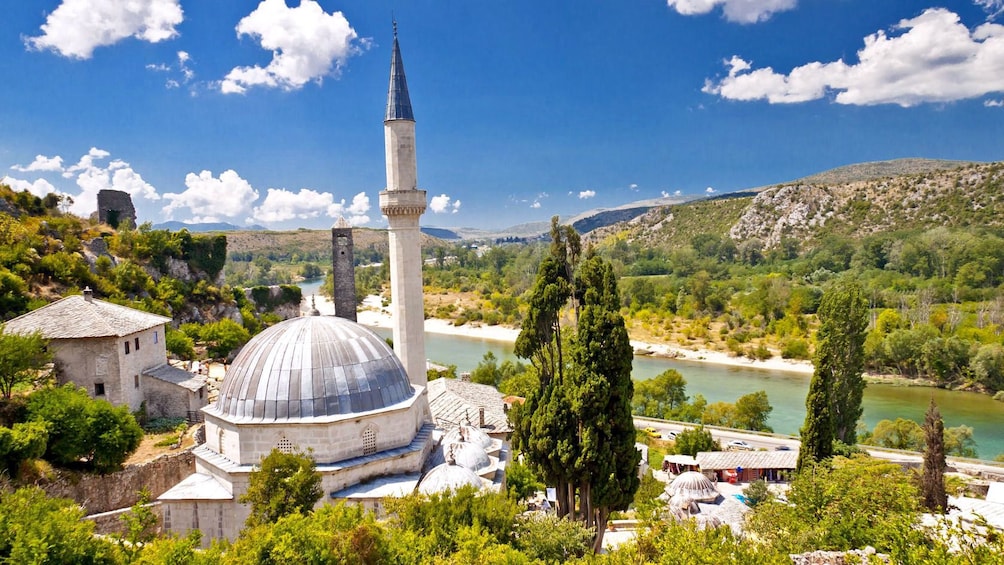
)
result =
(402, 202)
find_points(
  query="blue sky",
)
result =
(270, 112)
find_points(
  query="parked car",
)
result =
(670, 435)
(740, 444)
(783, 448)
(652, 432)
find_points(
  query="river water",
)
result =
(786, 391)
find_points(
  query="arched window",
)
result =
(285, 445)
(369, 441)
(219, 440)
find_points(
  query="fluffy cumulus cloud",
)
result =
(709, 190)
(307, 44)
(740, 11)
(212, 199)
(282, 205)
(535, 204)
(931, 58)
(76, 27)
(93, 176)
(42, 163)
(584, 194)
(443, 204)
(994, 103)
(38, 187)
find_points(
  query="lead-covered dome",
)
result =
(312, 367)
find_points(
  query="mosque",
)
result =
(330, 386)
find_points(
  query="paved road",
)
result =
(773, 441)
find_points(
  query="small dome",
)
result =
(312, 367)
(693, 486)
(467, 455)
(448, 477)
(468, 434)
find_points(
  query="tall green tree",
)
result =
(661, 396)
(840, 354)
(601, 391)
(283, 484)
(752, 411)
(691, 441)
(817, 431)
(932, 484)
(22, 357)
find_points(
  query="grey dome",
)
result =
(468, 434)
(467, 455)
(693, 486)
(312, 367)
(448, 477)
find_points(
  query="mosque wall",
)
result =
(330, 442)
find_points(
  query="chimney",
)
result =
(88, 293)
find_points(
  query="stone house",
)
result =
(116, 353)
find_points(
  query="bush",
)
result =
(179, 344)
(84, 430)
(796, 349)
(164, 425)
(23, 441)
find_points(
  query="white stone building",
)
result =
(116, 353)
(317, 383)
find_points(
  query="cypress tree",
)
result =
(817, 432)
(933, 478)
(840, 356)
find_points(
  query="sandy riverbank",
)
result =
(373, 314)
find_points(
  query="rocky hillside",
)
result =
(970, 195)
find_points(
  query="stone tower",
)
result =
(343, 270)
(403, 204)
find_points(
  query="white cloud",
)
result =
(355, 213)
(993, 8)
(184, 75)
(584, 194)
(665, 194)
(633, 187)
(281, 205)
(709, 190)
(740, 11)
(994, 103)
(536, 204)
(39, 187)
(92, 178)
(678, 193)
(211, 199)
(307, 44)
(42, 163)
(936, 58)
(76, 27)
(443, 203)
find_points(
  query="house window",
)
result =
(167, 517)
(127, 347)
(99, 389)
(369, 441)
(135, 381)
(155, 337)
(137, 344)
(200, 393)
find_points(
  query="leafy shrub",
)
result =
(179, 344)
(795, 349)
(84, 430)
(164, 425)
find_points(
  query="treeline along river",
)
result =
(785, 390)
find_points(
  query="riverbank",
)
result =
(372, 313)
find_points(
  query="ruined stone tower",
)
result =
(403, 204)
(343, 270)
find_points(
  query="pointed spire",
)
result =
(398, 101)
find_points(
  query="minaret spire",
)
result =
(398, 101)
(403, 204)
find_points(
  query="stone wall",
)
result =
(115, 207)
(104, 493)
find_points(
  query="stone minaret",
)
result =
(343, 270)
(403, 204)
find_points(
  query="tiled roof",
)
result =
(718, 460)
(174, 375)
(74, 317)
(454, 402)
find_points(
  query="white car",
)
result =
(669, 435)
(740, 444)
